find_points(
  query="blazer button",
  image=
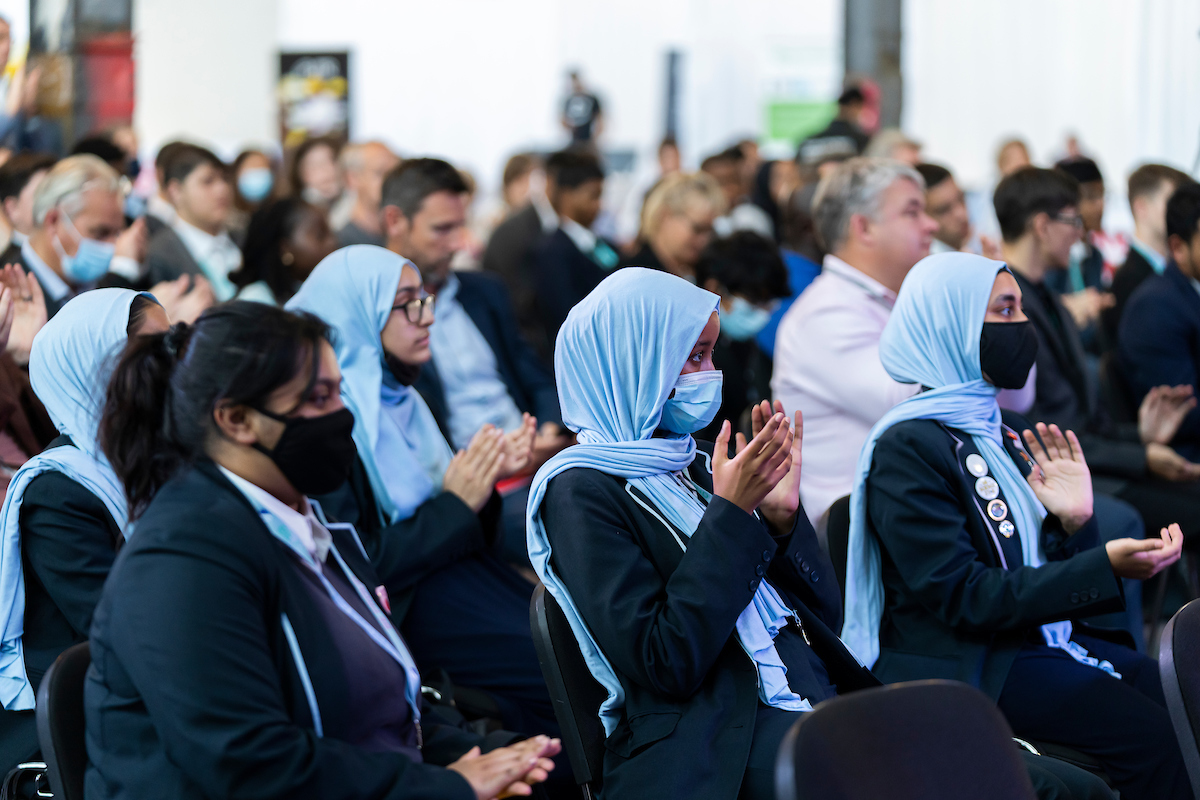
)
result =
(814, 576)
(804, 567)
(766, 555)
(1094, 593)
(760, 570)
(753, 586)
(1074, 597)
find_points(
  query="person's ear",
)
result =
(51, 221)
(860, 227)
(174, 191)
(10, 206)
(395, 223)
(1039, 224)
(1181, 252)
(236, 423)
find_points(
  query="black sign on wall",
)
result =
(314, 96)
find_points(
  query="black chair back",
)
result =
(575, 694)
(837, 535)
(1179, 667)
(60, 723)
(925, 740)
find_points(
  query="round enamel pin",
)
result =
(976, 465)
(997, 510)
(987, 488)
(1007, 529)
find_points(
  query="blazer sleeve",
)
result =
(221, 714)
(664, 635)
(555, 295)
(70, 540)
(1155, 349)
(801, 567)
(914, 508)
(534, 379)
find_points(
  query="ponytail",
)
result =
(158, 410)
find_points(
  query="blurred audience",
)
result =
(802, 255)
(364, 166)
(252, 175)
(727, 169)
(677, 223)
(894, 143)
(19, 180)
(285, 241)
(314, 175)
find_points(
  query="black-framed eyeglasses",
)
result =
(1070, 219)
(414, 310)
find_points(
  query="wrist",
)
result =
(1073, 522)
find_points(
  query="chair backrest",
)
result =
(925, 740)
(60, 723)
(837, 534)
(575, 694)
(1179, 667)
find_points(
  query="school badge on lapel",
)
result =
(382, 595)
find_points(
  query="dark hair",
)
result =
(851, 95)
(730, 155)
(1028, 192)
(262, 256)
(668, 141)
(1183, 211)
(407, 186)
(799, 230)
(186, 158)
(1081, 169)
(238, 200)
(570, 169)
(745, 263)
(16, 173)
(516, 167)
(158, 410)
(306, 147)
(103, 148)
(933, 174)
(166, 153)
(1146, 179)
(138, 310)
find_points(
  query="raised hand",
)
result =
(473, 472)
(760, 464)
(1138, 559)
(185, 298)
(28, 311)
(1162, 412)
(781, 503)
(1163, 461)
(508, 771)
(518, 448)
(1061, 479)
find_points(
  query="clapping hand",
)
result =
(781, 503)
(1143, 559)
(185, 298)
(27, 314)
(473, 472)
(759, 466)
(508, 771)
(1060, 478)
(1162, 412)
(518, 448)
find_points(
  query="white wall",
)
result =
(206, 71)
(1122, 75)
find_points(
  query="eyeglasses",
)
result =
(1071, 219)
(414, 310)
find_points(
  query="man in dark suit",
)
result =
(570, 262)
(1149, 187)
(509, 256)
(1039, 220)
(482, 371)
(1159, 337)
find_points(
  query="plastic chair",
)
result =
(575, 694)
(925, 740)
(60, 722)
(1179, 667)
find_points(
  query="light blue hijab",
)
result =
(932, 339)
(69, 366)
(403, 450)
(617, 358)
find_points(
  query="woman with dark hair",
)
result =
(286, 240)
(243, 646)
(64, 514)
(314, 175)
(253, 176)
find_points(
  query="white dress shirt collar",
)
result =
(305, 527)
(55, 287)
(584, 239)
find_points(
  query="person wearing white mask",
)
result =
(79, 230)
(748, 273)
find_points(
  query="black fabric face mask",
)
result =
(315, 454)
(1007, 351)
(406, 374)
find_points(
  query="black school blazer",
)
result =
(193, 691)
(665, 620)
(958, 603)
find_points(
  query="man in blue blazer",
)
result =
(1159, 338)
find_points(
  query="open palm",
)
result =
(1061, 478)
(780, 505)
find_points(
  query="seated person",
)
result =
(196, 241)
(693, 581)
(285, 241)
(746, 271)
(570, 262)
(19, 179)
(677, 223)
(1159, 342)
(427, 516)
(241, 648)
(968, 559)
(64, 513)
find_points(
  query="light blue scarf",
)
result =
(932, 339)
(403, 450)
(617, 358)
(69, 366)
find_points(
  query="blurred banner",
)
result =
(313, 96)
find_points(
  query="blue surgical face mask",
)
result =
(743, 320)
(90, 261)
(255, 184)
(695, 403)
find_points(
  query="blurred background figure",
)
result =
(1012, 155)
(19, 180)
(285, 241)
(677, 223)
(364, 166)
(728, 170)
(582, 115)
(894, 143)
(314, 176)
(253, 177)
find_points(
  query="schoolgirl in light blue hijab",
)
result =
(399, 442)
(617, 361)
(69, 365)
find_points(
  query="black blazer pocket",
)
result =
(642, 731)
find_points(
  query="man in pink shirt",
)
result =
(870, 216)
